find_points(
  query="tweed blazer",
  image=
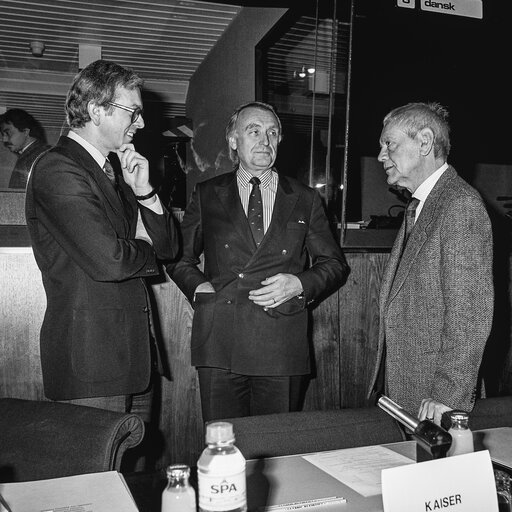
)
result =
(229, 331)
(95, 338)
(436, 301)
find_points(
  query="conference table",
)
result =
(353, 474)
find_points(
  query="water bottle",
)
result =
(221, 472)
(178, 496)
(462, 437)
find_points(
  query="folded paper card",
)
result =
(463, 483)
(93, 492)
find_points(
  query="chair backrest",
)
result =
(491, 412)
(42, 439)
(313, 431)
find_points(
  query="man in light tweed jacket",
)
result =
(436, 300)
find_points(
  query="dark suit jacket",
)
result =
(19, 176)
(229, 331)
(95, 335)
(436, 301)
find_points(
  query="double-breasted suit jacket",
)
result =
(436, 300)
(229, 331)
(95, 338)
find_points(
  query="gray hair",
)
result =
(414, 117)
(230, 128)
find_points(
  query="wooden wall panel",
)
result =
(180, 418)
(22, 306)
(344, 330)
(359, 326)
(323, 391)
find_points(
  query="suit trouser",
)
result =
(230, 395)
(140, 403)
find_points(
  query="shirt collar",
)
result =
(245, 176)
(426, 187)
(22, 150)
(95, 153)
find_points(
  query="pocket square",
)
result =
(300, 221)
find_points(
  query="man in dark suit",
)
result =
(23, 135)
(96, 236)
(249, 332)
(436, 300)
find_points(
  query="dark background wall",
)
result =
(403, 55)
(224, 80)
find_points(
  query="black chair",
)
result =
(491, 413)
(42, 439)
(313, 431)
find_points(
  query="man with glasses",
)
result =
(96, 235)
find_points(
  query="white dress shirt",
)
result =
(268, 186)
(422, 192)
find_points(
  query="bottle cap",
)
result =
(458, 414)
(178, 471)
(219, 432)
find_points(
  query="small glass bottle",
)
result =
(178, 496)
(221, 472)
(462, 437)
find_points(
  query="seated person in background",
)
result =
(437, 296)
(22, 135)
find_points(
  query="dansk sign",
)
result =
(468, 8)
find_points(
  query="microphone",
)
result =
(433, 438)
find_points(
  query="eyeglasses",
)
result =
(136, 112)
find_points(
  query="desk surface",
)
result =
(273, 481)
(291, 478)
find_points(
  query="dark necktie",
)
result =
(410, 215)
(111, 175)
(109, 171)
(255, 211)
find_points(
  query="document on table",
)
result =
(94, 492)
(359, 468)
(499, 443)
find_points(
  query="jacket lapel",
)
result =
(419, 235)
(229, 197)
(285, 201)
(77, 153)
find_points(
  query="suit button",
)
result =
(284, 252)
(229, 301)
(241, 275)
(226, 246)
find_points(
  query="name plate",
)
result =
(464, 483)
(467, 8)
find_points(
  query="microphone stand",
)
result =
(433, 438)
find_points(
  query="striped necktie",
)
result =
(255, 211)
(109, 171)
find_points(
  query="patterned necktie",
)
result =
(410, 215)
(255, 211)
(109, 171)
